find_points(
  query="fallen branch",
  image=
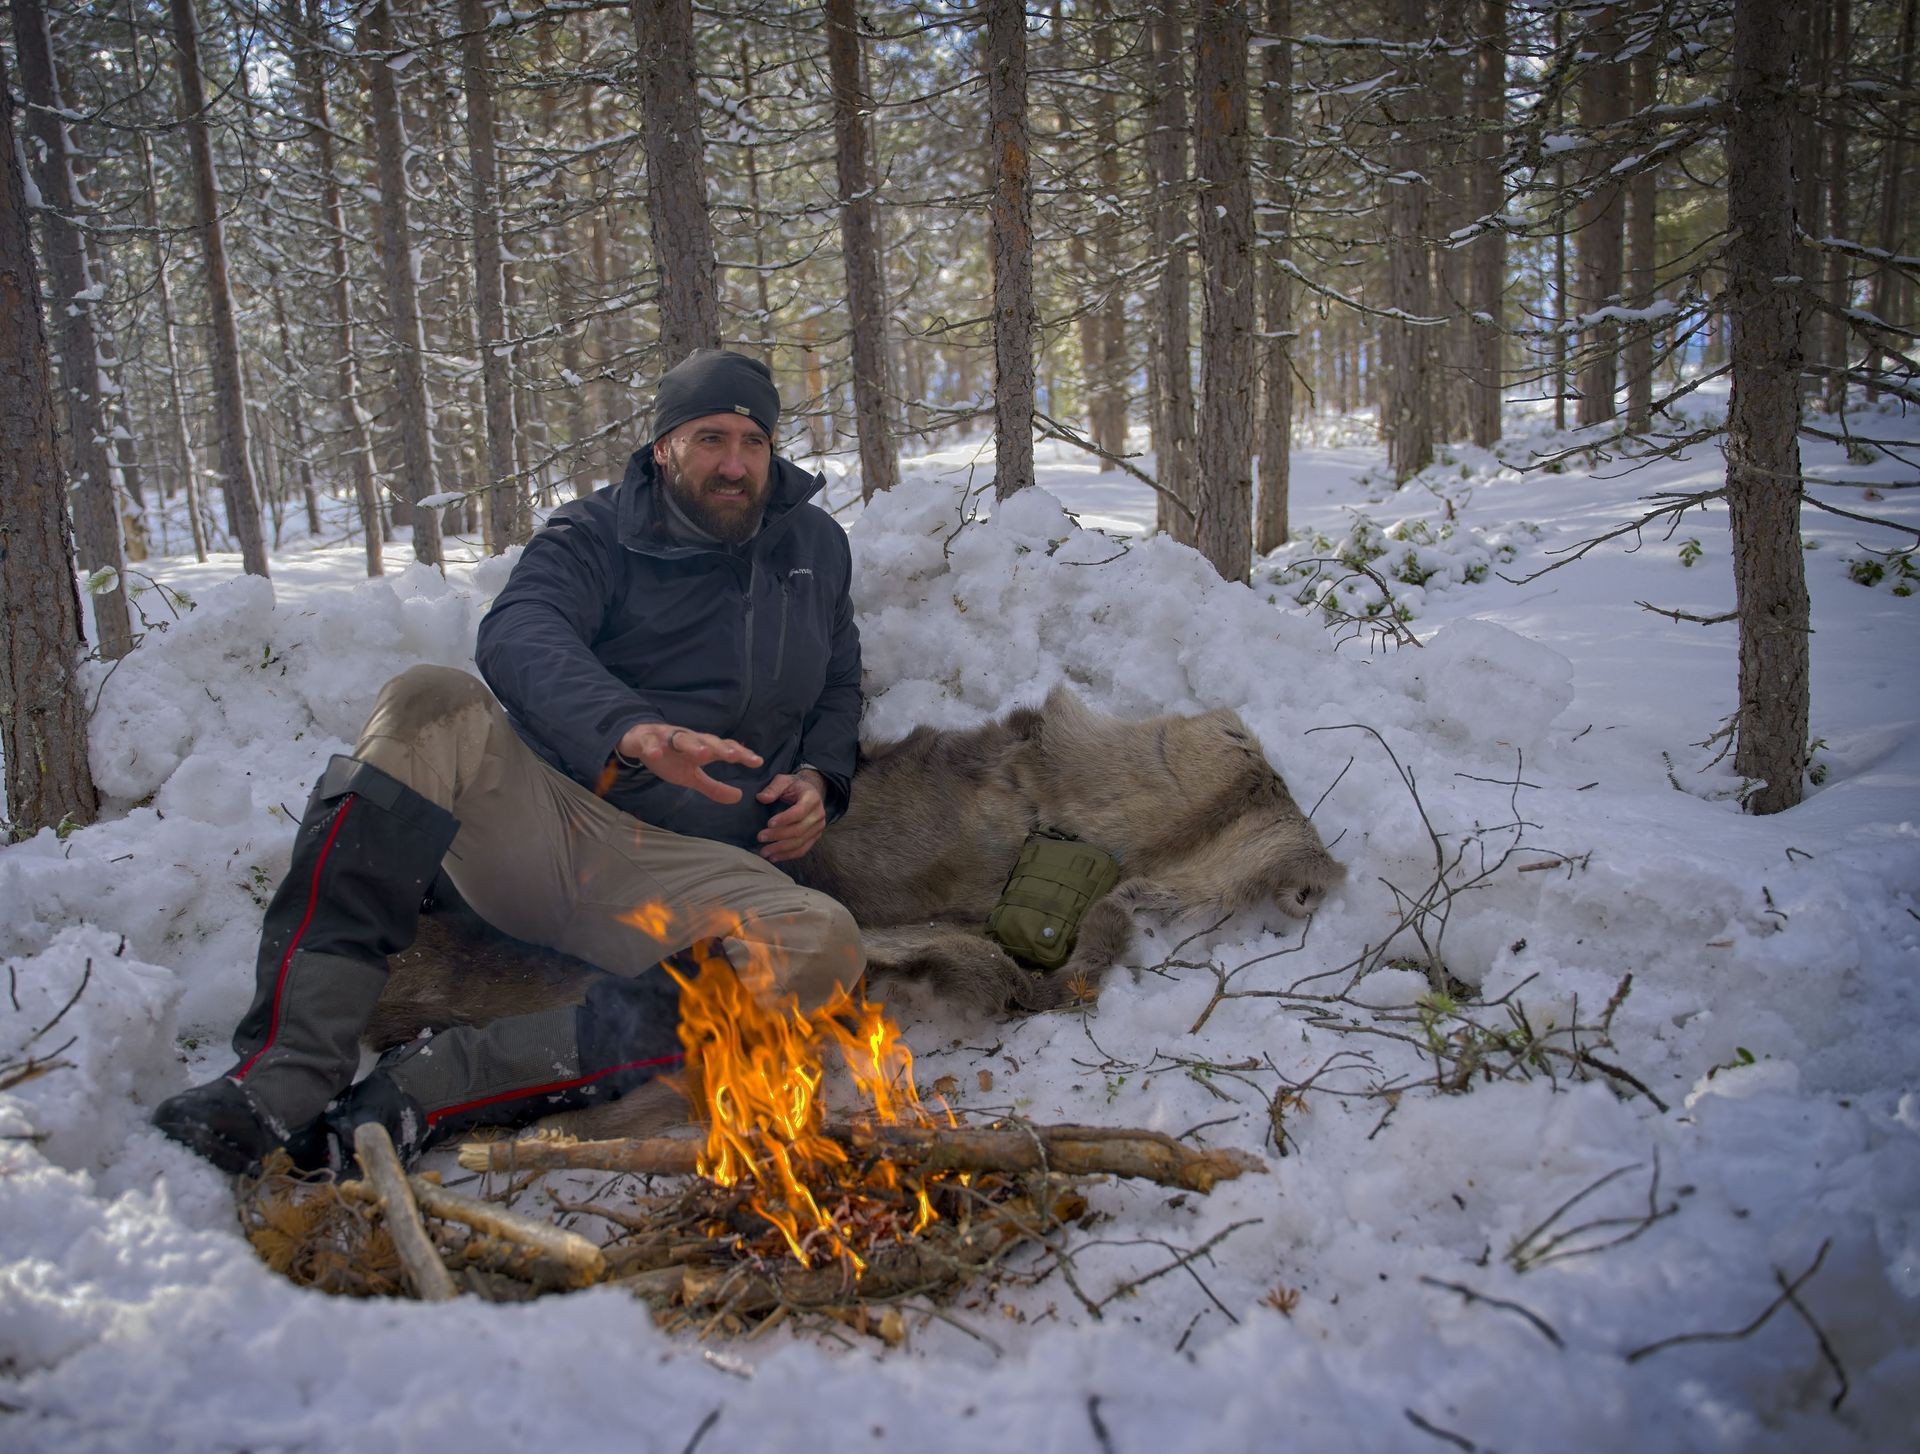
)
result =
(517, 1245)
(1063, 1150)
(373, 1149)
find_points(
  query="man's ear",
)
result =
(660, 450)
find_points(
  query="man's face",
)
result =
(717, 469)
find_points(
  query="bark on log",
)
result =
(1065, 1150)
(373, 1148)
(575, 1260)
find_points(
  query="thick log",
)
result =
(373, 1148)
(1064, 1150)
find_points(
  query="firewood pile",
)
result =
(918, 1213)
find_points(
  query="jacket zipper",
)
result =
(780, 642)
(746, 664)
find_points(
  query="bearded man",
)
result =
(675, 678)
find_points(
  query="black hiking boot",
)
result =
(367, 850)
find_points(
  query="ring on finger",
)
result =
(670, 736)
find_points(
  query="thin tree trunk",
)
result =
(96, 517)
(176, 407)
(1640, 258)
(1447, 214)
(414, 407)
(43, 715)
(1172, 292)
(353, 419)
(873, 384)
(756, 219)
(1839, 277)
(1488, 253)
(1408, 395)
(1011, 219)
(1224, 533)
(1109, 406)
(1600, 219)
(1763, 416)
(1886, 278)
(676, 178)
(1277, 347)
(230, 403)
(489, 292)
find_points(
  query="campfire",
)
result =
(756, 1066)
(779, 1208)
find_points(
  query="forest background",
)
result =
(338, 269)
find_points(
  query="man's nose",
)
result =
(733, 462)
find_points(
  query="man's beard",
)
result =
(731, 521)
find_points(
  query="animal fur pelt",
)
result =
(1190, 806)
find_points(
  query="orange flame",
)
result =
(755, 1066)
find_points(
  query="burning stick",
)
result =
(1067, 1150)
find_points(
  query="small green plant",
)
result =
(1858, 453)
(1816, 767)
(1115, 1084)
(1690, 551)
(1866, 571)
(1741, 1057)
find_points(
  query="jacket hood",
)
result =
(642, 517)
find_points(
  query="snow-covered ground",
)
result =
(1494, 1267)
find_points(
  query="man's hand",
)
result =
(794, 830)
(679, 755)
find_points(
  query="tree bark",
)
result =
(1276, 368)
(1641, 278)
(503, 514)
(1172, 294)
(873, 384)
(176, 407)
(676, 178)
(1887, 278)
(1011, 218)
(96, 516)
(43, 716)
(1600, 218)
(1223, 533)
(413, 405)
(1763, 416)
(1108, 413)
(230, 401)
(1839, 277)
(1408, 381)
(1488, 253)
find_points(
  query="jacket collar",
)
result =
(643, 523)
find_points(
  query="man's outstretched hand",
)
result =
(797, 827)
(680, 755)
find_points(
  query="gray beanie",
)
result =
(714, 381)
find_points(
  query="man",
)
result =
(677, 675)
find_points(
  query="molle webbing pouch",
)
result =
(1053, 885)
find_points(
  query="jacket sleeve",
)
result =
(830, 736)
(535, 649)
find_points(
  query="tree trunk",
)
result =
(1109, 404)
(1011, 219)
(1277, 348)
(176, 407)
(230, 402)
(414, 407)
(676, 178)
(873, 385)
(1408, 395)
(1763, 416)
(1600, 218)
(1172, 294)
(1640, 257)
(43, 715)
(96, 516)
(1447, 213)
(1839, 278)
(353, 419)
(1886, 278)
(503, 515)
(1488, 253)
(1224, 533)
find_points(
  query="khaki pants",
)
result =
(542, 858)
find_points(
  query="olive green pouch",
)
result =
(1052, 886)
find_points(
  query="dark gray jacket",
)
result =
(609, 620)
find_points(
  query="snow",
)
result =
(1548, 725)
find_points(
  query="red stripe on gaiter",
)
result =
(434, 1118)
(286, 960)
